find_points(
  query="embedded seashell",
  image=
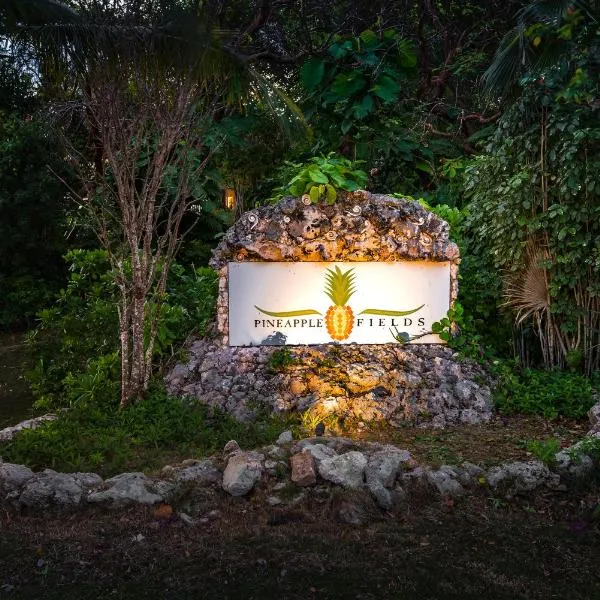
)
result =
(331, 235)
(240, 256)
(253, 220)
(419, 222)
(356, 210)
(306, 200)
(426, 239)
(286, 219)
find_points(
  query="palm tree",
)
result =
(537, 43)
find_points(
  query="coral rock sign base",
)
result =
(396, 382)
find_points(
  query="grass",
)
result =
(144, 437)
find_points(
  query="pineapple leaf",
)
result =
(339, 285)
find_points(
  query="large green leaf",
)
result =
(317, 175)
(346, 85)
(386, 88)
(338, 50)
(407, 55)
(311, 73)
(363, 108)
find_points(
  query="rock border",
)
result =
(321, 464)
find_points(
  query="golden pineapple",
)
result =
(339, 318)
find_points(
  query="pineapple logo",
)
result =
(339, 318)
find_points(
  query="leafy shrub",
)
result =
(320, 177)
(546, 393)
(97, 436)
(280, 359)
(75, 343)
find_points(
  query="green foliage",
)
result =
(545, 450)
(320, 178)
(547, 393)
(75, 344)
(590, 446)
(460, 332)
(79, 329)
(482, 329)
(96, 436)
(33, 218)
(280, 359)
(358, 75)
(539, 188)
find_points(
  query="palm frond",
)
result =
(552, 11)
(526, 292)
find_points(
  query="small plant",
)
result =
(545, 450)
(589, 446)
(321, 177)
(280, 360)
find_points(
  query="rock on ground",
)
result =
(319, 452)
(346, 470)
(8, 433)
(131, 488)
(243, 471)
(445, 481)
(518, 477)
(198, 471)
(12, 477)
(303, 469)
(51, 488)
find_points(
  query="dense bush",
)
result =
(75, 344)
(547, 393)
(33, 219)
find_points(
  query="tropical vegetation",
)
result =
(122, 123)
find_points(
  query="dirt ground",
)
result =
(504, 438)
(480, 547)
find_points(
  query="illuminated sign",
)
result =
(319, 303)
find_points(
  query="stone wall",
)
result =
(420, 384)
(359, 227)
(424, 385)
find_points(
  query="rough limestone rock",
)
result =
(12, 477)
(346, 470)
(88, 481)
(231, 447)
(51, 489)
(383, 465)
(285, 438)
(445, 481)
(381, 471)
(319, 452)
(594, 416)
(198, 471)
(422, 384)
(574, 466)
(243, 471)
(303, 469)
(336, 443)
(8, 433)
(519, 477)
(131, 488)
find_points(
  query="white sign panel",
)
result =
(319, 303)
